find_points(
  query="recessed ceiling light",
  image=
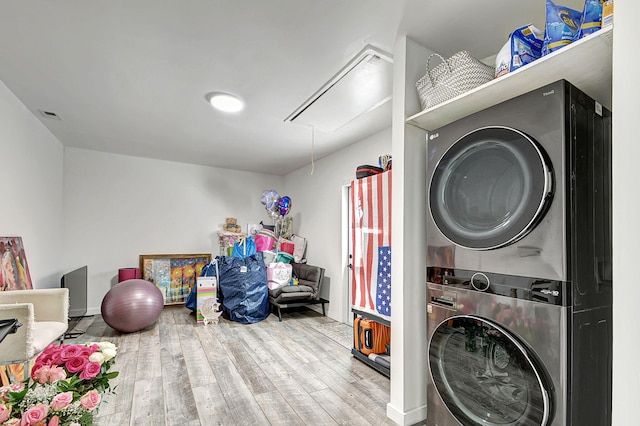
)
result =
(224, 101)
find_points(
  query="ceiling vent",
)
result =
(49, 114)
(362, 85)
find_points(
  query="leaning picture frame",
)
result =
(174, 274)
(14, 271)
(14, 275)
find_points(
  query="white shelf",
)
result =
(585, 64)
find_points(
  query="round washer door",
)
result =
(490, 188)
(486, 376)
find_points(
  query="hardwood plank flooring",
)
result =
(178, 372)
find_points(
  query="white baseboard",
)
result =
(413, 417)
(93, 311)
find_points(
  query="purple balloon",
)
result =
(284, 205)
(270, 199)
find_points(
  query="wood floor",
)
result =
(178, 372)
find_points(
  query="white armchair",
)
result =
(44, 317)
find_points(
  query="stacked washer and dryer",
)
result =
(519, 264)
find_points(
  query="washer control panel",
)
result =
(480, 281)
(529, 288)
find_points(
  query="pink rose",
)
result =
(56, 373)
(70, 351)
(13, 387)
(36, 366)
(34, 415)
(51, 349)
(90, 371)
(42, 374)
(76, 364)
(55, 420)
(16, 387)
(51, 354)
(86, 351)
(90, 400)
(61, 400)
(5, 412)
(48, 374)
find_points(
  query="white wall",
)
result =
(317, 210)
(118, 207)
(626, 205)
(31, 188)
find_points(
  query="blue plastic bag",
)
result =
(524, 46)
(243, 288)
(190, 303)
(561, 28)
(209, 270)
(591, 20)
(244, 247)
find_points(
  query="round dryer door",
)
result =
(490, 188)
(485, 376)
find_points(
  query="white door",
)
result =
(346, 253)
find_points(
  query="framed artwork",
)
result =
(14, 271)
(14, 275)
(174, 274)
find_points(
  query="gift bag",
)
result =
(208, 308)
(299, 246)
(244, 247)
(278, 275)
(286, 246)
(264, 239)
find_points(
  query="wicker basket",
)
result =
(454, 76)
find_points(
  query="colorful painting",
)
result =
(14, 275)
(174, 274)
(14, 272)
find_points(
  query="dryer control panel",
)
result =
(528, 288)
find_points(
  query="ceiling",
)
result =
(130, 77)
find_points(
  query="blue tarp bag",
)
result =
(243, 288)
(191, 299)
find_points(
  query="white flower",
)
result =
(104, 345)
(109, 353)
(97, 357)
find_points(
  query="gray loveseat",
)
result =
(307, 292)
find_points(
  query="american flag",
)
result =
(371, 243)
(383, 288)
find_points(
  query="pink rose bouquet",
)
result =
(66, 386)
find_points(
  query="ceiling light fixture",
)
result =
(224, 101)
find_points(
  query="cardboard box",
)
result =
(607, 13)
